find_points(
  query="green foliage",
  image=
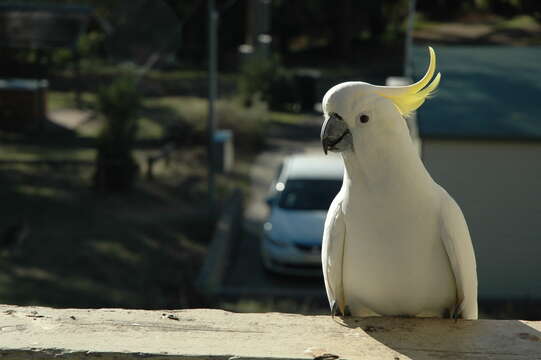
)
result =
(249, 125)
(119, 104)
(90, 44)
(523, 22)
(283, 94)
(61, 57)
(267, 79)
(256, 76)
(187, 119)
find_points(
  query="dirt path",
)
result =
(70, 118)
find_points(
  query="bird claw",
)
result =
(335, 310)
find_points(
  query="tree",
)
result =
(116, 167)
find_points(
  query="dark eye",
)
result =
(364, 118)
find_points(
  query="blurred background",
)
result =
(155, 153)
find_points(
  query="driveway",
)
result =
(247, 276)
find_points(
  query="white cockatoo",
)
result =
(395, 242)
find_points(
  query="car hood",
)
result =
(299, 226)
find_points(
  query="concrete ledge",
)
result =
(45, 333)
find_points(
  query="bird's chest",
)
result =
(391, 220)
(393, 254)
(400, 240)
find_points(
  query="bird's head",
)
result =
(355, 111)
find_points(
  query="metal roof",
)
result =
(41, 26)
(489, 92)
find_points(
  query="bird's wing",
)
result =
(332, 253)
(459, 248)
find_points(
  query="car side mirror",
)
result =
(270, 200)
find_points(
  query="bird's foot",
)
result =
(335, 310)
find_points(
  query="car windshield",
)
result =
(309, 194)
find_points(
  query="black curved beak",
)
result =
(333, 131)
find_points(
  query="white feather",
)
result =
(458, 245)
(332, 252)
(395, 243)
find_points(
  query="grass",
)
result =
(522, 22)
(97, 67)
(518, 30)
(62, 99)
(519, 22)
(140, 249)
(156, 114)
(422, 22)
(24, 152)
(187, 116)
(286, 118)
(90, 250)
(159, 114)
(136, 250)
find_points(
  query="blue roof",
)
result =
(485, 92)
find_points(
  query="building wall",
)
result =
(498, 186)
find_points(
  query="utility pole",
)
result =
(213, 90)
(408, 60)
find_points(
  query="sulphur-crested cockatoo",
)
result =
(395, 243)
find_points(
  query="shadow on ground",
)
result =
(451, 339)
(79, 248)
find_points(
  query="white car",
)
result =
(300, 197)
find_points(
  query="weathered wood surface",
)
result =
(45, 333)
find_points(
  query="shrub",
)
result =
(90, 44)
(116, 167)
(248, 124)
(283, 92)
(266, 78)
(61, 58)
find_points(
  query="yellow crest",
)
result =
(409, 98)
